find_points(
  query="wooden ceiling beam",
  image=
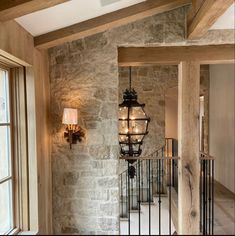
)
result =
(10, 9)
(205, 16)
(140, 56)
(108, 21)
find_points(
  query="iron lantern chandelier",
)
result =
(133, 123)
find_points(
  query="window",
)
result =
(6, 165)
(17, 150)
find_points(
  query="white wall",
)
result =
(221, 123)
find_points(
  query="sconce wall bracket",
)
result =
(74, 136)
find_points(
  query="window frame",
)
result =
(11, 178)
(19, 148)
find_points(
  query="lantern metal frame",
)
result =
(129, 102)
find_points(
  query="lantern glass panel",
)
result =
(123, 127)
(139, 127)
(137, 112)
(123, 138)
(135, 149)
(136, 138)
(123, 113)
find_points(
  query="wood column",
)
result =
(189, 165)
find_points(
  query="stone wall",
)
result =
(84, 75)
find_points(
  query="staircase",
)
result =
(149, 194)
(145, 195)
(144, 215)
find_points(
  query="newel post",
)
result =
(189, 165)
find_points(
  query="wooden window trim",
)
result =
(19, 147)
(12, 174)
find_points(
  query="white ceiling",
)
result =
(70, 13)
(226, 21)
(76, 11)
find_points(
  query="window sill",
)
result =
(18, 232)
(27, 233)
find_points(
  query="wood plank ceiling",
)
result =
(201, 17)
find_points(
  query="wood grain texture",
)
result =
(206, 16)
(189, 165)
(138, 56)
(107, 21)
(32, 149)
(10, 10)
(16, 43)
(16, 47)
(196, 5)
(42, 94)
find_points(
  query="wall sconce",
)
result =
(73, 132)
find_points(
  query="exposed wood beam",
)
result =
(10, 10)
(137, 56)
(108, 21)
(196, 5)
(206, 16)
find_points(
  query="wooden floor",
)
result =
(224, 211)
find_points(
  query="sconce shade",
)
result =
(70, 116)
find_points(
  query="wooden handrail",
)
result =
(205, 156)
(150, 158)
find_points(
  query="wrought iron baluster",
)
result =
(170, 162)
(149, 195)
(201, 179)
(139, 198)
(173, 163)
(209, 199)
(126, 198)
(213, 192)
(132, 203)
(159, 194)
(142, 181)
(152, 166)
(129, 215)
(122, 196)
(206, 175)
(204, 200)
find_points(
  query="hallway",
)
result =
(224, 211)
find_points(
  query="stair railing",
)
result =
(207, 163)
(171, 150)
(148, 178)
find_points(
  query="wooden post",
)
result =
(189, 165)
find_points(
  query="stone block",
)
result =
(94, 137)
(99, 195)
(109, 111)
(108, 224)
(114, 195)
(100, 152)
(108, 182)
(71, 178)
(96, 41)
(109, 209)
(110, 167)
